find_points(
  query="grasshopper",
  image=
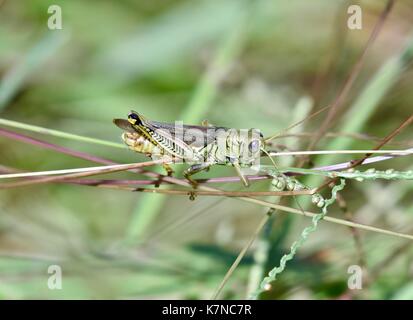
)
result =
(200, 146)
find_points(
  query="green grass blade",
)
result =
(168, 38)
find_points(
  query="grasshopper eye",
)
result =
(133, 118)
(254, 146)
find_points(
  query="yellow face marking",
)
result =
(132, 121)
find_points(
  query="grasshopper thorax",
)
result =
(242, 146)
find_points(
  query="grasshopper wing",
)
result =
(195, 136)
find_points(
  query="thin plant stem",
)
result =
(47, 145)
(327, 218)
(99, 169)
(240, 256)
(60, 134)
(335, 152)
(103, 170)
(354, 232)
(194, 193)
(355, 136)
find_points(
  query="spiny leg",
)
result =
(195, 169)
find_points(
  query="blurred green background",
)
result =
(263, 64)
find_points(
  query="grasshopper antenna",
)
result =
(271, 159)
(296, 124)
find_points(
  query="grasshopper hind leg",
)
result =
(194, 169)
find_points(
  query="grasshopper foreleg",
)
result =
(169, 172)
(168, 169)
